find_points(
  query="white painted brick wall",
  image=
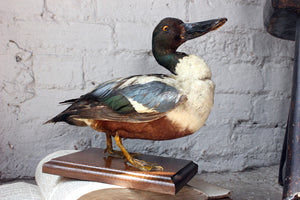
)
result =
(55, 50)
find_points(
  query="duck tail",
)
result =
(54, 120)
(70, 101)
(66, 117)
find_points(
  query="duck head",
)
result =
(170, 33)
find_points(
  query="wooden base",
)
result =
(95, 165)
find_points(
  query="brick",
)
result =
(278, 79)
(132, 10)
(230, 107)
(134, 36)
(97, 69)
(259, 144)
(84, 11)
(47, 102)
(254, 140)
(242, 77)
(61, 38)
(5, 74)
(238, 14)
(21, 10)
(101, 67)
(18, 79)
(266, 45)
(64, 72)
(204, 141)
(224, 48)
(270, 110)
(4, 38)
(137, 64)
(279, 138)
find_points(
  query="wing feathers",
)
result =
(134, 99)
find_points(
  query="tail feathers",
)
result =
(66, 118)
(48, 122)
(70, 101)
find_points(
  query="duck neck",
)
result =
(168, 58)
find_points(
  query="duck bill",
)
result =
(193, 30)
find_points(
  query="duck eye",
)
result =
(165, 28)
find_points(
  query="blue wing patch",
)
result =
(154, 95)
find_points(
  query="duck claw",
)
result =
(145, 166)
(115, 153)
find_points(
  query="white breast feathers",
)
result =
(194, 80)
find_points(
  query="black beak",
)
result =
(193, 30)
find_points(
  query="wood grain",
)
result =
(95, 165)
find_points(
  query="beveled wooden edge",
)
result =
(167, 182)
(184, 175)
(161, 184)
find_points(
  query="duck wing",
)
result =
(134, 99)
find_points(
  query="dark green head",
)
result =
(170, 33)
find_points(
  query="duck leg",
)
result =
(140, 164)
(109, 147)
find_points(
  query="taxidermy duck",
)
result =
(153, 106)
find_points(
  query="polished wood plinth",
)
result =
(95, 165)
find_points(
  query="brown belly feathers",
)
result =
(161, 129)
